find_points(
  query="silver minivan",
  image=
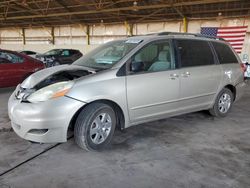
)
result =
(124, 83)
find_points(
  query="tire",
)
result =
(220, 103)
(93, 123)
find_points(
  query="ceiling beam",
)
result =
(116, 22)
(112, 19)
(20, 6)
(130, 8)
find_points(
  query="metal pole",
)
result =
(53, 35)
(185, 24)
(23, 35)
(87, 35)
(129, 28)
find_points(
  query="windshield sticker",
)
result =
(107, 60)
(133, 41)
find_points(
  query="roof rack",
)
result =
(190, 34)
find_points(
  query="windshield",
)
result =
(108, 54)
(54, 52)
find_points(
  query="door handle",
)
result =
(174, 76)
(185, 74)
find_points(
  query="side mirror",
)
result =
(137, 66)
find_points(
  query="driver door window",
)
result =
(10, 58)
(3, 60)
(65, 53)
(153, 58)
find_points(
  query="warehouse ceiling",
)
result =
(32, 13)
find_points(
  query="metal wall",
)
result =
(40, 39)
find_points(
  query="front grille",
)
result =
(38, 131)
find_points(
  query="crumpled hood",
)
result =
(41, 75)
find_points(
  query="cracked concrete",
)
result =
(193, 150)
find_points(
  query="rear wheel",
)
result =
(95, 126)
(223, 103)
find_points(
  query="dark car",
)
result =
(15, 67)
(59, 57)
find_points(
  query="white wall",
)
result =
(74, 36)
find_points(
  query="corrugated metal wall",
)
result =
(39, 39)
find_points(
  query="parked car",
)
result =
(59, 57)
(124, 83)
(15, 67)
(247, 70)
(29, 53)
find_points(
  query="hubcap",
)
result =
(224, 103)
(100, 128)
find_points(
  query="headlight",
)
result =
(50, 92)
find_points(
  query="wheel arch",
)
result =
(117, 109)
(232, 89)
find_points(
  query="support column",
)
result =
(23, 36)
(53, 35)
(87, 34)
(185, 24)
(129, 28)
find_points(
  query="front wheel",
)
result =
(95, 126)
(223, 103)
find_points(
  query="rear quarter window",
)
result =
(224, 53)
(194, 53)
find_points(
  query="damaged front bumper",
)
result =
(44, 122)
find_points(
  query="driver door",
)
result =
(153, 83)
(12, 69)
(65, 57)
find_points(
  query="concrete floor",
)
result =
(193, 150)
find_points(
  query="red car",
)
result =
(15, 67)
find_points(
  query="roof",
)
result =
(176, 35)
(32, 13)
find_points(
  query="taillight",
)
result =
(243, 67)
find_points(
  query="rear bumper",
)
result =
(240, 89)
(44, 122)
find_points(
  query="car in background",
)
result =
(59, 57)
(29, 53)
(246, 67)
(15, 67)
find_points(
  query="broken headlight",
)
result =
(52, 91)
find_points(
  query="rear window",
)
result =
(30, 53)
(73, 52)
(194, 53)
(224, 53)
